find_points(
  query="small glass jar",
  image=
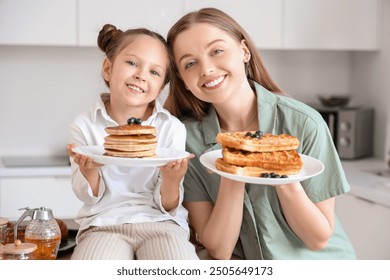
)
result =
(17, 251)
(3, 230)
(10, 232)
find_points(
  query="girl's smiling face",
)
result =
(136, 76)
(210, 62)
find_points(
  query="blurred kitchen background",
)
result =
(50, 71)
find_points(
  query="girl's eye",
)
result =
(154, 72)
(189, 64)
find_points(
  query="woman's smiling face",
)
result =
(210, 62)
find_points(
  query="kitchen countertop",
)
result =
(362, 176)
(36, 171)
(365, 182)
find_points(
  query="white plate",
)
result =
(311, 167)
(163, 157)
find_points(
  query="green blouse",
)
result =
(265, 233)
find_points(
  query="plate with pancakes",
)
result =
(257, 158)
(131, 144)
(162, 156)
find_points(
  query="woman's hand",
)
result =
(84, 162)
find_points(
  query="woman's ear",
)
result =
(106, 69)
(247, 53)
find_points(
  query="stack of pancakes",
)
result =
(253, 154)
(131, 141)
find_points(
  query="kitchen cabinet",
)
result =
(331, 24)
(262, 19)
(124, 14)
(277, 24)
(38, 22)
(52, 192)
(367, 225)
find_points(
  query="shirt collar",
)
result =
(100, 109)
(211, 126)
(266, 102)
(267, 108)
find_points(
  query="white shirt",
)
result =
(126, 194)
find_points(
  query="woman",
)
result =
(223, 86)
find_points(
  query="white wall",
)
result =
(371, 83)
(42, 89)
(305, 74)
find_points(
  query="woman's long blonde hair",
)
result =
(180, 101)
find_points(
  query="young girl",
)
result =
(130, 212)
(222, 85)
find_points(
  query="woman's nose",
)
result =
(207, 68)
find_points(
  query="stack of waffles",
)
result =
(250, 153)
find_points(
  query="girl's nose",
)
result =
(139, 75)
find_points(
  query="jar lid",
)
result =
(3, 221)
(23, 248)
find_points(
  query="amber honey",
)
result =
(47, 249)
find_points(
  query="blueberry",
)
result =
(133, 120)
(259, 132)
(264, 175)
(248, 134)
(284, 176)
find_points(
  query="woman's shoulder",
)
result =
(287, 104)
(299, 108)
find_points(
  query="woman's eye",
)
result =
(217, 51)
(189, 64)
(132, 63)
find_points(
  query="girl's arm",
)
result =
(312, 222)
(172, 175)
(218, 226)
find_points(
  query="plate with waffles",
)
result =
(162, 156)
(310, 167)
(254, 157)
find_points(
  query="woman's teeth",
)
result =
(135, 88)
(215, 82)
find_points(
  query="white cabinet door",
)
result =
(124, 14)
(367, 225)
(38, 22)
(50, 192)
(261, 19)
(331, 24)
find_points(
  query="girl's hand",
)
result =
(174, 171)
(84, 162)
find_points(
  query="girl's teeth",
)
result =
(215, 82)
(135, 88)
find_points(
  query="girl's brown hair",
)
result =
(112, 41)
(180, 101)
